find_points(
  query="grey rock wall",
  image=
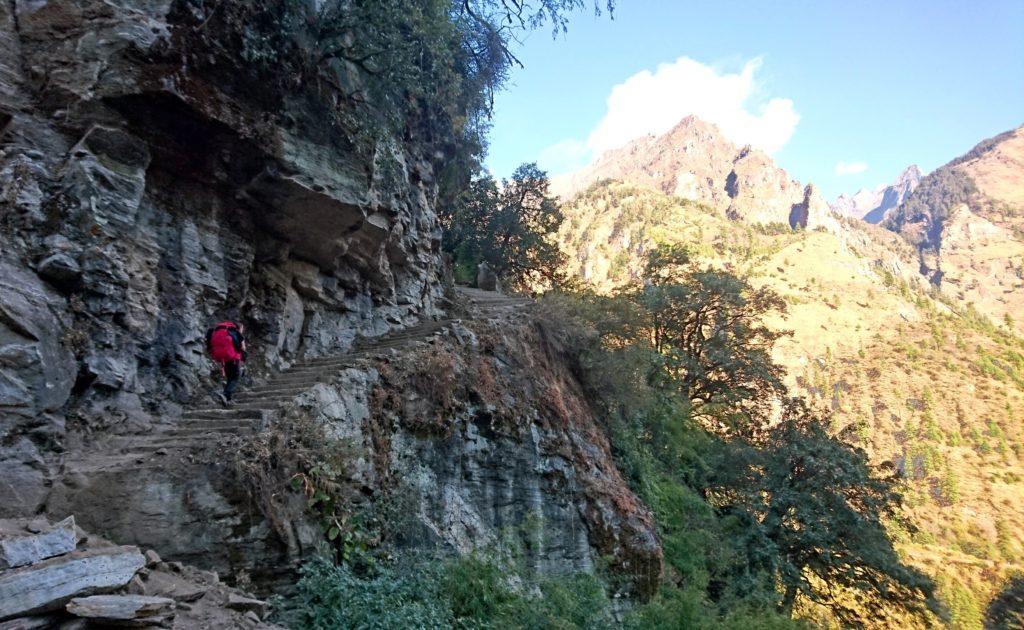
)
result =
(143, 199)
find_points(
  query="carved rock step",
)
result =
(153, 444)
(274, 389)
(268, 403)
(298, 376)
(206, 423)
(240, 429)
(220, 413)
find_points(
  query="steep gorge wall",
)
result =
(150, 185)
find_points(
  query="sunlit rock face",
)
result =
(967, 222)
(151, 186)
(874, 205)
(695, 161)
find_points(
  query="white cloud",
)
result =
(654, 102)
(561, 157)
(850, 168)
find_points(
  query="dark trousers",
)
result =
(232, 374)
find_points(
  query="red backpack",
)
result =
(222, 344)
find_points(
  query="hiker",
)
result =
(226, 344)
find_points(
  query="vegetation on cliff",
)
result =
(910, 375)
(510, 226)
(759, 507)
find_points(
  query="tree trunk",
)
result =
(786, 607)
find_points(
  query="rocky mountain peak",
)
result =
(965, 219)
(695, 161)
(911, 176)
(874, 205)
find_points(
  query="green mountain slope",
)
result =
(910, 375)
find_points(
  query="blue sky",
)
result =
(843, 94)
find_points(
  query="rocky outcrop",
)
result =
(480, 432)
(113, 585)
(694, 161)
(151, 184)
(967, 220)
(874, 205)
(20, 547)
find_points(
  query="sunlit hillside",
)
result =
(917, 380)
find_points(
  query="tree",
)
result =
(800, 514)
(511, 226)
(817, 509)
(706, 325)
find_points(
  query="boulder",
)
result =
(50, 584)
(60, 270)
(19, 549)
(247, 604)
(486, 278)
(123, 610)
(164, 584)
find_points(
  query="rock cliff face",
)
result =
(481, 432)
(143, 200)
(694, 161)
(153, 183)
(874, 205)
(967, 220)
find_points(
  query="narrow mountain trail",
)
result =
(257, 409)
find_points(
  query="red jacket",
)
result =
(224, 342)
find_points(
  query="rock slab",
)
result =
(20, 550)
(123, 609)
(50, 584)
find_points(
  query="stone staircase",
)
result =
(175, 489)
(256, 409)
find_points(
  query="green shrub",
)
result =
(950, 486)
(964, 609)
(477, 591)
(329, 596)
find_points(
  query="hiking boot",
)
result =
(224, 400)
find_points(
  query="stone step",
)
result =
(280, 394)
(197, 423)
(194, 439)
(109, 463)
(219, 413)
(161, 440)
(267, 404)
(176, 447)
(323, 370)
(319, 361)
(241, 429)
(271, 388)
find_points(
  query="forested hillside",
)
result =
(918, 380)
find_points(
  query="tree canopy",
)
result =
(697, 408)
(510, 225)
(816, 510)
(705, 326)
